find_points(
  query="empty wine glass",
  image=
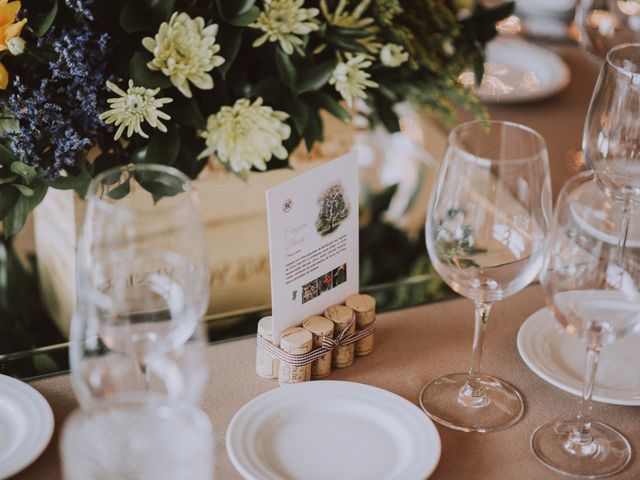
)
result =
(583, 291)
(603, 24)
(485, 229)
(611, 138)
(143, 287)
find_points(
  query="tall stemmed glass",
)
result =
(611, 139)
(143, 287)
(485, 229)
(581, 281)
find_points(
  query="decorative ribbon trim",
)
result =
(328, 345)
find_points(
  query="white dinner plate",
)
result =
(26, 425)
(558, 357)
(519, 71)
(331, 429)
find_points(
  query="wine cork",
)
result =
(364, 307)
(266, 364)
(342, 317)
(320, 327)
(295, 340)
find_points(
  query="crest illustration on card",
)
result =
(313, 241)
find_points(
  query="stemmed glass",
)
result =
(143, 287)
(582, 286)
(611, 139)
(603, 24)
(485, 228)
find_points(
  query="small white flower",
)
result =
(246, 135)
(393, 55)
(134, 107)
(448, 48)
(16, 46)
(185, 50)
(284, 21)
(351, 79)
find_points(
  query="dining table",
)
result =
(415, 345)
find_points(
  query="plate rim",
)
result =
(23, 459)
(599, 393)
(562, 83)
(408, 406)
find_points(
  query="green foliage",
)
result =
(441, 45)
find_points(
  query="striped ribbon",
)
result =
(328, 344)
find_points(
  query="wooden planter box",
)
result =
(235, 228)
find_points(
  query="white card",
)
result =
(313, 241)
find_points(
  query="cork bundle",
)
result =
(322, 342)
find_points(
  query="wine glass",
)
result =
(603, 24)
(611, 138)
(485, 229)
(583, 291)
(143, 287)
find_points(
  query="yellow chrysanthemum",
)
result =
(9, 29)
(246, 135)
(285, 21)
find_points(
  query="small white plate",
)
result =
(558, 357)
(519, 71)
(26, 425)
(332, 429)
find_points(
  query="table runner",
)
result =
(413, 346)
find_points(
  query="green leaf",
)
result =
(121, 190)
(299, 112)
(15, 219)
(23, 189)
(7, 158)
(384, 110)
(232, 8)
(133, 18)
(186, 111)
(25, 171)
(163, 147)
(327, 102)
(478, 69)
(77, 183)
(270, 89)
(162, 9)
(316, 77)
(142, 76)
(246, 18)
(41, 23)
(348, 32)
(313, 133)
(346, 44)
(230, 40)
(159, 184)
(8, 198)
(286, 69)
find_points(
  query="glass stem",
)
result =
(580, 441)
(473, 393)
(623, 232)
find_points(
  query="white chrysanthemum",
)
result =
(185, 50)
(393, 55)
(351, 79)
(134, 107)
(283, 21)
(246, 135)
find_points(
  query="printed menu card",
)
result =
(313, 241)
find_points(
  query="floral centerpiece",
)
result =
(86, 85)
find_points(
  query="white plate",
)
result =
(558, 358)
(331, 429)
(26, 425)
(519, 71)
(546, 8)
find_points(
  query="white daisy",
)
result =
(351, 79)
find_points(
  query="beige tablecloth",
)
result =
(413, 346)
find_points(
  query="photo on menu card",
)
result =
(313, 241)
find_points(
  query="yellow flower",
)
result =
(9, 28)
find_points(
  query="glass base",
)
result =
(494, 404)
(607, 454)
